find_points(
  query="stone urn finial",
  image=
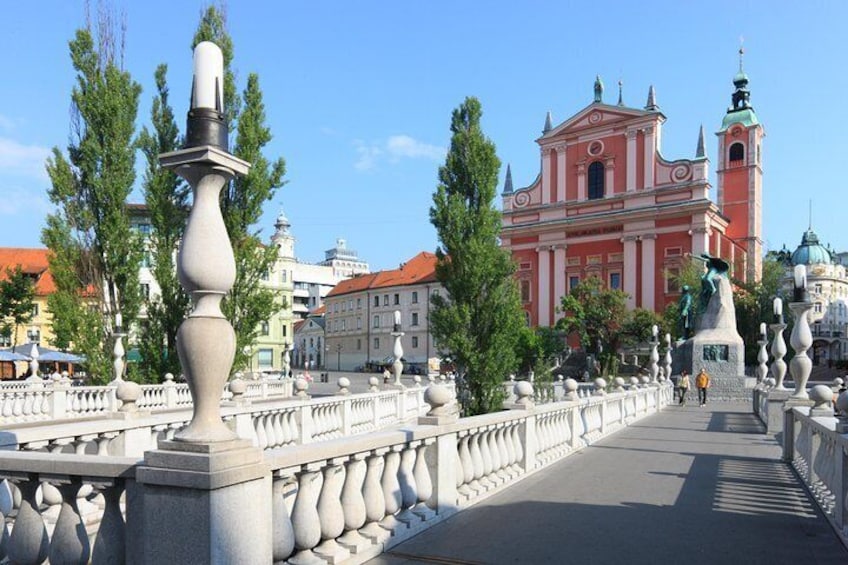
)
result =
(373, 384)
(237, 388)
(524, 394)
(344, 386)
(301, 385)
(571, 387)
(439, 398)
(128, 393)
(822, 395)
(619, 384)
(600, 387)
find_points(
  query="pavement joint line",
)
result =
(433, 558)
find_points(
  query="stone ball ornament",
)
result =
(523, 389)
(571, 385)
(821, 395)
(842, 404)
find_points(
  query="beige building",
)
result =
(360, 311)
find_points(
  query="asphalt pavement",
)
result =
(690, 485)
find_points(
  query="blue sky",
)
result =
(359, 95)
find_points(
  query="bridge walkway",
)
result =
(690, 485)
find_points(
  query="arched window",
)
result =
(596, 180)
(737, 152)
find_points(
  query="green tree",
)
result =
(94, 256)
(753, 305)
(248, 303)
(595, 314)
(478, 321)
(17, 300)
(638, 324)
(166, 196)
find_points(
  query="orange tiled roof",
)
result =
(297, 325)
(419, 269)
(320, 311)
(33, 262)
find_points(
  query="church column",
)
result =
(629, 274)
(546, 175)
(581, 181)
(650, 152)
(609, 176)
(559, 278)
(700, 240)
(648, 271)
(544, 292)
(561, 173)
(631, 160)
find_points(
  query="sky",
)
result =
(359, 95)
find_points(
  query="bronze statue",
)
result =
(684, 306)
(716, 266)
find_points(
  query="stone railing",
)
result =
(817, 447)
(343, 500)
(268, 423)
(49, 400)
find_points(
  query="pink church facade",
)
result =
(606, 203)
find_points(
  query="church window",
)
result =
(525, 291)
(573, 282)
(596, 180)
(737, 152)
(615, 281)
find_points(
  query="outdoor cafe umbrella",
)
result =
(9, 356)
(53, 356)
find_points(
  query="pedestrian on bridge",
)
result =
(702, 382)
(683, 385)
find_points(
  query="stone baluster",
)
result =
(655, 356)
(486, 456)
(375, 501)
(70, 541)
(467, 462)
(496, 475)
(476, 460)
(110, 543)
(408, 486)
(391, 490)
(28, 542)
(762, 359)
(778, 350)
(331, 513)
(353, 504)
(283, 530)
(423, 482)
(667, 358)
(801, 339)
(306, 522)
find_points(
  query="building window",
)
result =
(415, 297)
(144, 229)
(265, 358)
(35, 310)
(397, 299)
(376, 301)
(145, 291)
(596, 180)
(385, 300)
(615, 281)
(415, 318)
(527, 318)
(818, 307)
(145, 259)
(436, 292)
(359, 323)
(285, 330)
(264, 329)
(737, 152)
(525, 290)
(376, 322)
(344, 325)
(359, 304)
(350, 304)
(376, 343)
(34, 335)
(5, 341)
(266, 276)
(285, 276)
(572, 283)
(818, 288)
(359, 344)
(672, 281)
(415, 342)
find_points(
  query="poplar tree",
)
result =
(166, 196)
(248, 302)
(478, 322)
(94, 257)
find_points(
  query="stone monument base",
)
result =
(722, 357)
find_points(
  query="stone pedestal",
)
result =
(717, 347)
(201, 503)
(776, 402)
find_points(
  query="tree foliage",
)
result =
(166, 196)
(17, 300)
(94, 256)
(248, 303)
(479, 321)
(753, 304)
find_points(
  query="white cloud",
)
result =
(395, 148)
(405, 146)
(22, 160)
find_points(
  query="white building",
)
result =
(827, 284)
(345, 262)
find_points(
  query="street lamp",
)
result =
(338, 356)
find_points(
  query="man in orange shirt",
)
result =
(702, 382)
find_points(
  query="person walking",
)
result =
(683, 386)
(702, 382)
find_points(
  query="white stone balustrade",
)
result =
(267, 422)
(341, 501)
(817, 450)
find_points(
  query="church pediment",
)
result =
(597, 116)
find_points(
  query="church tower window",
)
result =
(596, 180)
(737, 152)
